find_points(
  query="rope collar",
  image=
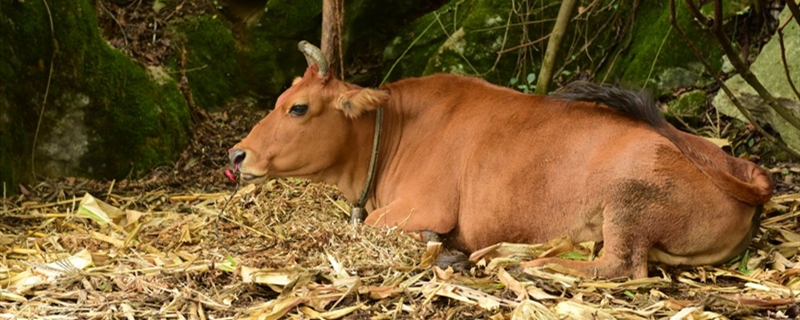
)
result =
(357, 213)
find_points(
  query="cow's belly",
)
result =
(524, 223)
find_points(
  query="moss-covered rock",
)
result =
(104, 116)
(211, 63)
(658, 58)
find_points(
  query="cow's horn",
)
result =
(314, 55)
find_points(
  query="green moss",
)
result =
(291, 18)
(128, 122)
(268, 56)
(656, 49)
(211, 60)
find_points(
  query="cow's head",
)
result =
(311, 128)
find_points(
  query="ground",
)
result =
(285, 249)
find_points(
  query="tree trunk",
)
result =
(331, 42)
(553, 43)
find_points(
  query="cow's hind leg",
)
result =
(623, 256)
(627, 233)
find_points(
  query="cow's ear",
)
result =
(356, 102)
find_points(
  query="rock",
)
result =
(690, 104)
(769, 70)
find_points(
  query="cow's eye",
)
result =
(298, 110)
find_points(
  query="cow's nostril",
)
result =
(237, 156)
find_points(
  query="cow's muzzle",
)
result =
(237, 157)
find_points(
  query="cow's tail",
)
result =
(756, 186)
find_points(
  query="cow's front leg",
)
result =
(424, 225)
(413, 218)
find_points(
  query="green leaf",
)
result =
(630, 294)
(531, 77)
(229, 265)
(572, 256)
(743, 264)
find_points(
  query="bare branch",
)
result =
(722, 85)
(696, 13)
(794, 9)
(744, 71)
(785, 64)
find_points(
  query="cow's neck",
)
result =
(350, 175)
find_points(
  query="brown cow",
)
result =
(480, 164)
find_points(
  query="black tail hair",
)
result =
(633, 105)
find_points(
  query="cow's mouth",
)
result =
(249, 177)
(238, 176)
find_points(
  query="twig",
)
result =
(744, 71)
(697, 14)
(198, 115)
(794, 9)
(505, 39)
(655, 59)
(46, 90)
(413, 42)
(524, 44)
(746, 113)
(444, 30)
(121, 29)
(587, 43)
(786, 64)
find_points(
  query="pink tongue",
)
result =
(230, 175)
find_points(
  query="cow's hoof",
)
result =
(455, 259)
(429, 236)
